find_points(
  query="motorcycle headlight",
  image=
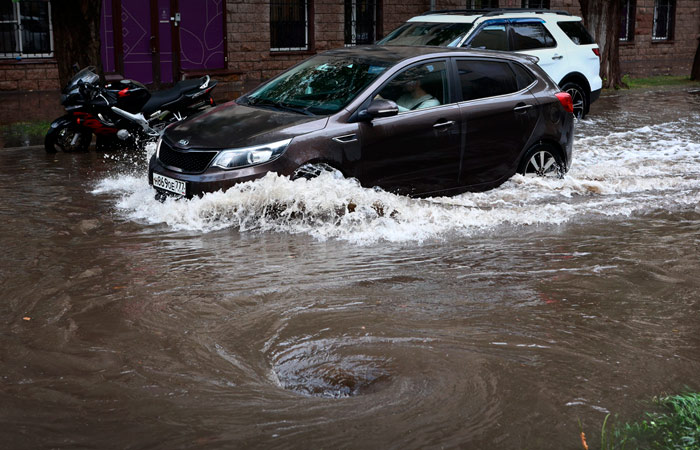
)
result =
(248, 156)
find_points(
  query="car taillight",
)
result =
(597, 52)
(566, 101)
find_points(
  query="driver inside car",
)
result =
(409, 89)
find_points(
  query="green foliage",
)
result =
(662, 80)
(676, 427)
(23, 133)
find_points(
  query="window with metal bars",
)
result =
(537, 4)
(664, 12)
(289, 25)
(360, 22)
(25, 29)
(479, 4)
(627, 20)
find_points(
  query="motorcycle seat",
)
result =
(160, 98)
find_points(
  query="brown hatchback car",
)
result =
(412, 120)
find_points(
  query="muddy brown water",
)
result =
(495, 320)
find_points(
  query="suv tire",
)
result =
(578, 97)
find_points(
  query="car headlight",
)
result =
(248, 156)
(160, 142)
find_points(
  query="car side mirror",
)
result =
(379, 107)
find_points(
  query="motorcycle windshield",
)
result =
(87, 76)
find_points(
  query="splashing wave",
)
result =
(619, 173)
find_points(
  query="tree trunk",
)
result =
(76, 35)
(602, 18)
(695, 71)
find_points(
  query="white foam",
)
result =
(617, 174)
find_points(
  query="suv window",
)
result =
(419, 33)
(576, 32)
(418, 87)
(528, 36)
(480, 79)
(492, 37)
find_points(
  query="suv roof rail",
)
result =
(497, 11)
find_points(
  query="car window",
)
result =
(418, 87)
(419, 33)
(523, 76)
(480, 79)
(576, 32)
(323, 84)
(529, 36)
(492, 37)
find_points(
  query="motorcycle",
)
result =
(123, 113)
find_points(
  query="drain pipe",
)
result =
(432, 5)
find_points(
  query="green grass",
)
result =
(661, 80)
(23, 133)
(675, 426)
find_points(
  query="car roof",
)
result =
(471, 16)
(394, 54)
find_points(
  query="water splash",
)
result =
(620, 173)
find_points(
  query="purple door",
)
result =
(136, 40)
(155, 40)
(201, 34)
(165, 39)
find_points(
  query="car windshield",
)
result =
(321, 85)
(427, 33)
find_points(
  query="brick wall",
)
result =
(250, 59)
(644, 56)
(28, 75)
(249, 33)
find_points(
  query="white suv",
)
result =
(566, 51)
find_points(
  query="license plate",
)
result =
(169, 184)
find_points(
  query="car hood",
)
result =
(231, 125)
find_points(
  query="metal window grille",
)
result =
(480, 4)
(360, 22)
(538, 4)
(627, 24)
(289, 25)
(25, 29)
(663, 17)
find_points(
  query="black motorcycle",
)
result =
(123, 113)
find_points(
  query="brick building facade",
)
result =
(249, 30)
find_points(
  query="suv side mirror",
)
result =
(379, 108)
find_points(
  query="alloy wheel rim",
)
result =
(542, 164)
(577, 100)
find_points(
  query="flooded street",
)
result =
(319, 314)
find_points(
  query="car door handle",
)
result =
(443, 125)
(556, 56)
(521, 107)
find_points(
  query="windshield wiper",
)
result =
(258, 101)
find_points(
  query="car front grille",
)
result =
(188, 161)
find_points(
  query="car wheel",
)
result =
(312, 170)
(578, 97)
(542, 161)
(68, 138)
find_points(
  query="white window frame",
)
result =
(18, 31)
(669, 16)
(306, 34)
(353, 23)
